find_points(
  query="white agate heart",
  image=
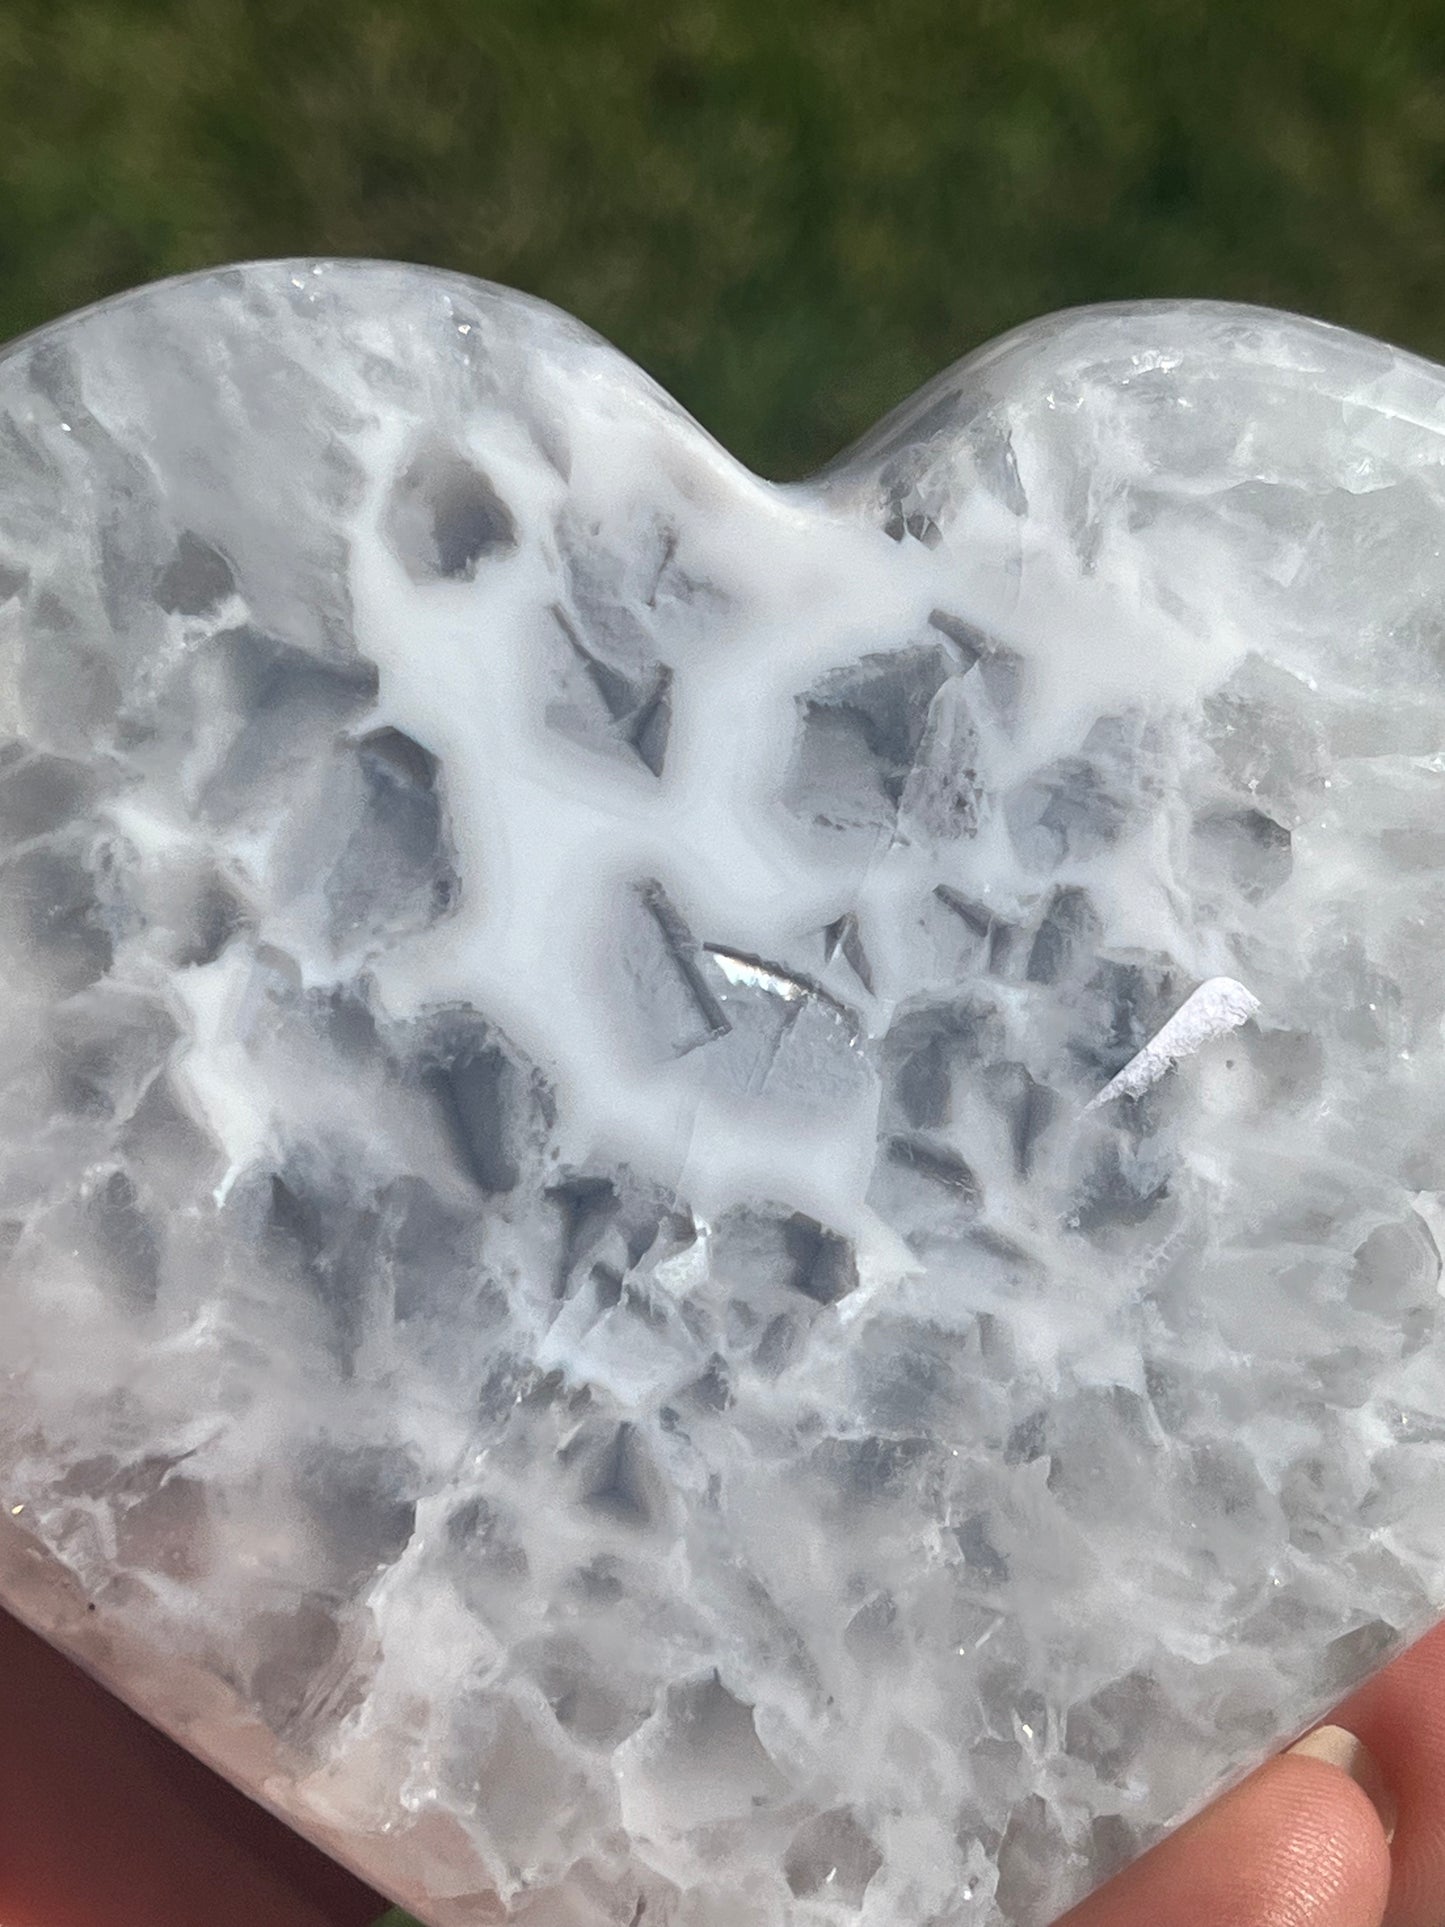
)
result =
(720, 1202)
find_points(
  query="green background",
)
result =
(791, 213)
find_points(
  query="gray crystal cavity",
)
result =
(570, 1315)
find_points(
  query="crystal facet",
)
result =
(721, 1203)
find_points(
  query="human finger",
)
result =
(105, 1823)
(1301, 1843)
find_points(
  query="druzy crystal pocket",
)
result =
(719, 1202)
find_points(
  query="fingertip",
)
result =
(1300, 1844)
(1400, 1714)
(1337, 1746)
(104, 1821)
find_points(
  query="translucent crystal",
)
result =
(719, 1203)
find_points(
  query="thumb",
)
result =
(1304, 1842)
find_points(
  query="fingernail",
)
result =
(1336, 1747)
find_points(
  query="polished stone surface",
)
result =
(720, 1203)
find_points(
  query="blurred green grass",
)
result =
(791, 213)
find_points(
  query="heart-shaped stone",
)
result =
(720, 1201)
